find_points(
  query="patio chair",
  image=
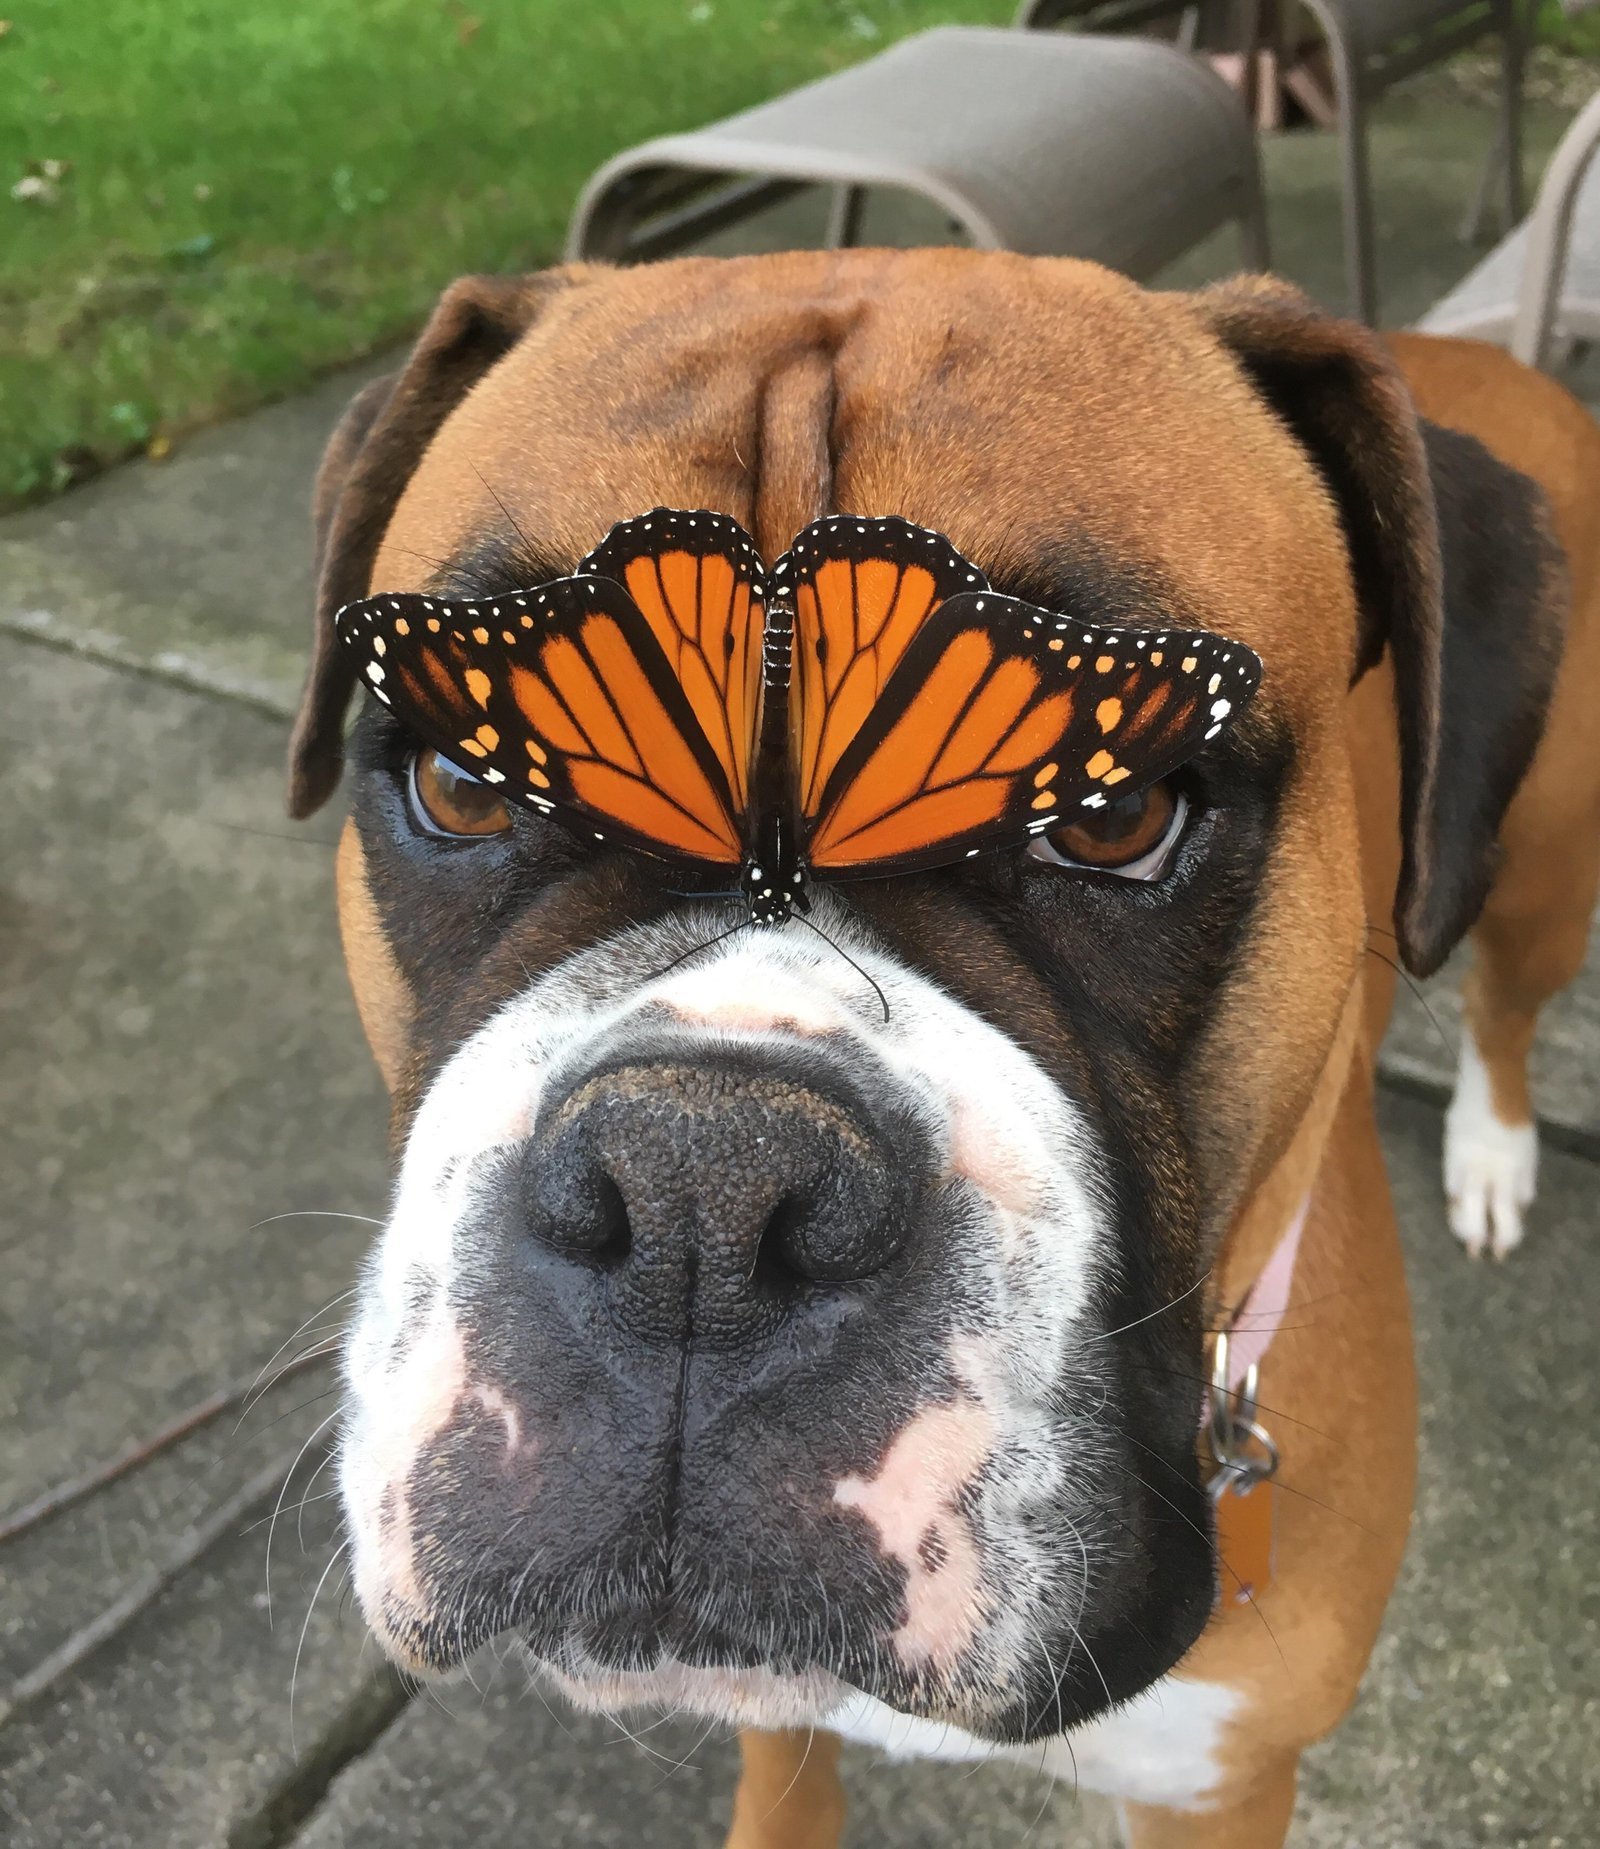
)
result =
(1541, 281)
(1119, 150)
(1372, 44)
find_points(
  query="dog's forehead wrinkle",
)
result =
(793, 468)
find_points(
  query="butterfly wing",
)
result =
(699, 584)
(565, 697)
(1002, 721)
(861, 590)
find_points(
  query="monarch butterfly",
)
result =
(870, 706)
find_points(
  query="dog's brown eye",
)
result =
(450, 802)
(1131, 836)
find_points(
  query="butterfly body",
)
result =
(774, 879)
(870, 707)
(773, 882)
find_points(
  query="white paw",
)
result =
(1491, 1169)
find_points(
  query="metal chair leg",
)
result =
(1359, 250)
(603, 232)
(1512, 24)
(1504, 163)
(844, 217)
(1475, 223)
(1545, 255)
(1255, 245)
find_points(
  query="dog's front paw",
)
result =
(1491, 1172)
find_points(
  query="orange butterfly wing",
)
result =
(861, 589)
(565, 697)
(697, 581)
(1001, 721)
(926, 718)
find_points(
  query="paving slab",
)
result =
(204, 1724)
(1477, 1724)
(197, 568)
(1478, 1721)
(109, 1548)
(183, 1064)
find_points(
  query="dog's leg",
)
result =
(1257, 1818)
(1527, 946)
(789, 1794)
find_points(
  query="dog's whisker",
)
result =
(1416, 989)
(316, 1432)
(510, 518)
(425, 558)
(255, 1527)
(290, 1412)
(318, 1351)
(316, 1316)
(266, 834)
(318, 1213)
(294, 1673)
(1138, 1322)
(1201, 1380)
(308, 1498)
(1145, 1484)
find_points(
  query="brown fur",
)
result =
(1267, 458)
(1530, 938)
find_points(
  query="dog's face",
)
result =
(738, 1338)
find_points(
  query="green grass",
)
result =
(257, 190)
(1577, 34)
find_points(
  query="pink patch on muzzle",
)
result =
(417, 1402)
(914, 1503)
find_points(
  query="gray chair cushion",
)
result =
(1122, 150)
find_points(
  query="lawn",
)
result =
(1577, 33)
(205, 203)
(221, 198)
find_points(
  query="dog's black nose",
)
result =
(716, 1199)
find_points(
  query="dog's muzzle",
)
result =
(728, 1336)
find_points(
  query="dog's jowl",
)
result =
(816, 1325)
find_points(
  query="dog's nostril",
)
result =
(845, 1227)
(780, 1251)
(575, 1208)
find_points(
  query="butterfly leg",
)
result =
(789, 1794)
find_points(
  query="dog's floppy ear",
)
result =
(1455, 571)
(368, 461)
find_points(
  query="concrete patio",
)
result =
(191, 1135)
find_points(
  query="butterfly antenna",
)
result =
(883, 1000)
(694, 950)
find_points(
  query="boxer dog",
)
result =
(612, 1391)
